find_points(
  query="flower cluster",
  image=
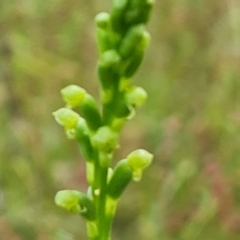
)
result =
(122, 40)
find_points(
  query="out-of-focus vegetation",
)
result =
(191, 120)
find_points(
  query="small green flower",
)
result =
(66, 118)
(109, 58)
(105, 139)
(76, 202)
(73, 95)
(133, 38)
(102, 20)
(136, 96)
(68, 199)
(138, 160)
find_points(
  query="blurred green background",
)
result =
(191, 121)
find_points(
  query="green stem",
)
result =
(108, 227)
(103, 222)
(102, 225)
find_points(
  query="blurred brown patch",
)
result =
(223, 193)
(6, 232)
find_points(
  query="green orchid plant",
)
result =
(122, 41)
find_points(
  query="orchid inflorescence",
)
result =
(122, 40)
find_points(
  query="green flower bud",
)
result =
(105, 139)
(77, 96)
(102, 20)
(68, 199)
(107, 71)
(136, 96)
(133, 63)
(117, 15)
(73, 95)
(66, 118)
(109, 58)
(122, 175)
(138, 160)
(106, 39)
(76, 202)
(89, 110)
(108, 77)
(132, 40)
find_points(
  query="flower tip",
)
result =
(105, 139)
(68, 199)
(73, 95)
(139, 159)
(66, 117)
(102, 20)
(136, 96)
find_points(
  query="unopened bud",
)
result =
(122, 175)
(69, 200)
(66, 118)
(133, 38)
(105, 139)
(136, 96)
(73, 95)
(109, 58)
(76, 202)
(102, 20)
(138, 160)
